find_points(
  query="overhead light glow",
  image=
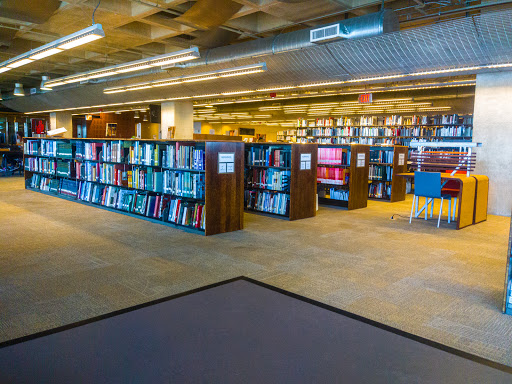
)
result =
(42, 55)
(244, 70)
(184, 55)
(19, 63)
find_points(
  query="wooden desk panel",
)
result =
(482, 197)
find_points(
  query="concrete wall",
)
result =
(493, 128)
(62, 119)
(178, 114)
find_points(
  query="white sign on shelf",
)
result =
(226, 162)
(305, 161)
(360, 160)
(401, 158)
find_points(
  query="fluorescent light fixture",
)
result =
(80, 41)
(244, 70)
(18, 90)
(43, 54)
(137, 65)
(43, 86)
(19, 63)
(78, 38)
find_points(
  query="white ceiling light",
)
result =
(18, 90)
(84, 36)
(244, 70)
(174, 57)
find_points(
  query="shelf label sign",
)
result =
(305, 161)
(360, 160)
(226, 162)
(365, 98)
(401, 158)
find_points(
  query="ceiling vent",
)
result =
(326, 34)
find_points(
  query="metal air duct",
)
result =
(356, 28)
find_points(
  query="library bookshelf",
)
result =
(280, 179)
(342, 176)
(386, 162)
(382, 130)
(177, 183)
(507, 296)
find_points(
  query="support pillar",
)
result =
(178, 114)
(62, 119)
(492, 126)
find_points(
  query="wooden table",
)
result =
(472, 198)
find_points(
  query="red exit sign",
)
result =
(365, 98)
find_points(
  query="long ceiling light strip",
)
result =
(84, 36)
(137, 65)
(457, 84)
(237, 71)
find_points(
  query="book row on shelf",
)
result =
(274, 179)
(176, 155)
(387, 120)
(339, 194)
(379, 190)
(159, 206)
(270, 156)
(267, 201)
(445, 131)
(380, 172)
(381, 156)
(338, 176)
(333, 156)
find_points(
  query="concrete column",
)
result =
(178, 114)
(62, 119)
(492, 126)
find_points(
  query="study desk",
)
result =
(472, 198)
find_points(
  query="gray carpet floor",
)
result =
(61, 262)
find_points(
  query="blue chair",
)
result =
(428, 185)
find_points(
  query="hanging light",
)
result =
(43, 87)
(84, 36)
(136, 115)
(18, 90)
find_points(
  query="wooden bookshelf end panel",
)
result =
(398, 184)
(358, 184)
(303, 182)
(224, 191)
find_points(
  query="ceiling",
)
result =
(137, 29)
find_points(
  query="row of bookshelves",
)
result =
(282, 179)
(416, 132)
(391, 120)
(144, 178)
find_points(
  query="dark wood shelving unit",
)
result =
(399, 165)
(358, 177)
(301, 189)
(223, 191)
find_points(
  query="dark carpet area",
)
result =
(237, 332)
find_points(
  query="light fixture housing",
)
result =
(84, 36)
(18, 89)
(236, 71)
(43, 86)
(137, 65)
